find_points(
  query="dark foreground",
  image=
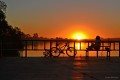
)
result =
(59, 68)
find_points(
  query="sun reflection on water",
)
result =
(80, 46)
(79, 65)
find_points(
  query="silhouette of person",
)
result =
(96, 45)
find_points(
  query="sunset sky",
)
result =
(66, 18)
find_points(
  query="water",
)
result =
(78, 46)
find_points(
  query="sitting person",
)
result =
(96, 45)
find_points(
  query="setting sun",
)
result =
(78, 36)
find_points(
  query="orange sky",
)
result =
(59, 18)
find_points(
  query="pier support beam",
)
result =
(74, 49)
(50, 49)
(26, 49)
(119, 49)
(87, 54)
(108, 55)
(32, 45)
(44, 45)
(97, 54)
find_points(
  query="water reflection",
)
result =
(81, 46)
(79, 67)
(78, 46)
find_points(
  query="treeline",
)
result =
(10, 37)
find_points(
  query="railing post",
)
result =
(102, 45)
(114, 45)
(108, 54)
(44, 45)
(80, 45)
(87, 54)
(119, 49)
(50, 49)
(32, 44)
(88, 44)
(74, 48)
(97, 53)
(87, 51)
(25, 48)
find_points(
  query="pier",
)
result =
(106, 45)
(110, 44)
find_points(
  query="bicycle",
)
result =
(56, 51)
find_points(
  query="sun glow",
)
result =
(78, 36)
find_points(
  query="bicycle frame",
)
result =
(62, 48)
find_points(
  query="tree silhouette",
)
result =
(35, 36)
(2, 16)
(10, 37)
(3, 7)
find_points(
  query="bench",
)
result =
(107, 48)
(104, 48)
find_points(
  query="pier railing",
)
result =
(114, 45)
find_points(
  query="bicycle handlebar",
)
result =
(66, 44)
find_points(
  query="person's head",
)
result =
(97, 37)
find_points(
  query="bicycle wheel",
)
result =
(71, 52)
(55, 52)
